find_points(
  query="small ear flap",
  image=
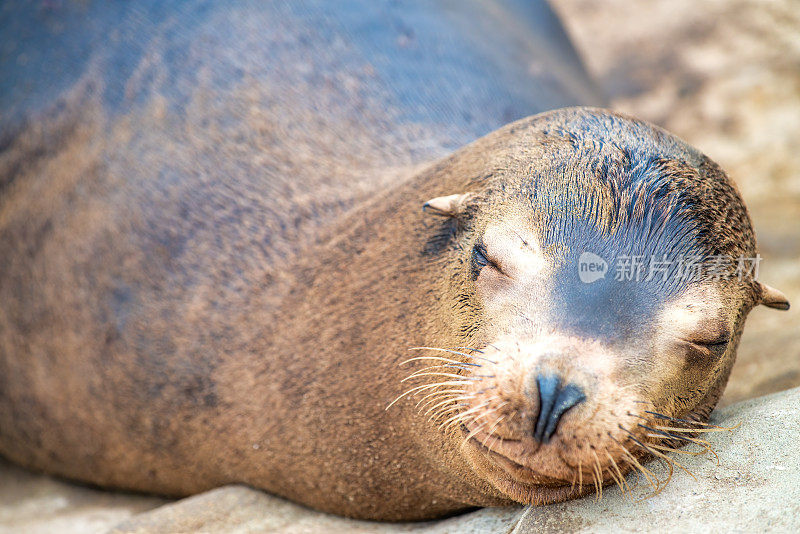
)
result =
(773, 298)
(449, 206)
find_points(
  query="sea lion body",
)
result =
(213, 258)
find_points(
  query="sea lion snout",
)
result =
(540, 411)
(555, 399)
(539, 391)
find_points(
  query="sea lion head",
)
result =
(596, 273)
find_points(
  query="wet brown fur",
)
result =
(172, 341)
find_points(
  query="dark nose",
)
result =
(554, 401)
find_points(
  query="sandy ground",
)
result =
(725, 76)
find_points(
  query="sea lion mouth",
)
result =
(514, 479)
(509, 455)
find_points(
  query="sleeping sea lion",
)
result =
(215, 268)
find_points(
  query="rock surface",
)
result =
(36, 504)
(754, 488)
(240, 510)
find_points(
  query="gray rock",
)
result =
(241, 510)
(755, 488)
(33, 504)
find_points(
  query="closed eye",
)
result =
(480, 259)
(710, 349)
(715, 346)
(710, 333)
(479, 256)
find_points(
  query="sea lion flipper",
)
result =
(448, 206)
(773, 298)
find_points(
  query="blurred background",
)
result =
(725, 76)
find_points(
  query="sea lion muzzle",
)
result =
(554, 400)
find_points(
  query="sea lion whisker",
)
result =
(618, 470)
(662, 430)
(613, 475)
(662, 434)
(671, 461)
(697, 430)
(491, 432)
(701, 442)
(444, 427)
(679, 451)
(666, 447)
(712, 451)
(453, 425)
(439, 358)
(441, 366)
(444, 402)
(439, 392)
(598, 483)
(474, 432)
(419, 372)
(464, 414)
(421, 387)
(470, 414)
(467, 348)
(624, 488)
(442, 397)
(422, 372)
(449, 375)
(498, 407)
(425, 372)
(454, 414)
(454, 352)
(662, 446)
(645, 471)
(599, 468)
(443, 350)
(428, 386)
(659, 456)
(632, 468)
(486, 413)
(445, 412)
(663, 458)
(706, 445)
(692, 422)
